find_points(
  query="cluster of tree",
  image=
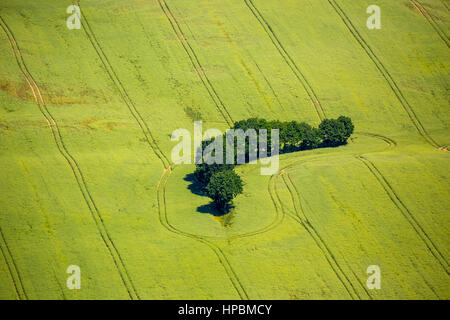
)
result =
(222, 183)
(297, 136)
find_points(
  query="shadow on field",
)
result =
(224, 218)
(211, 209)
(196, 188)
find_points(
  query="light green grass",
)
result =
(45, 219)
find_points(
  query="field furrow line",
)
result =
(321, 244)
(163, 218)
(385, 73)
(200, 71)
(420, 231)
(60, 287)
(388, 140)
(302, 219)
(12, 268)
(167, 171)
(288, 59)
(56, 133)
(431, 21)
(444, 2)
(149, 138)
(269, 84)
(277, 220)
(196, 62)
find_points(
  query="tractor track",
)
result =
(288, 59)
(60, 287)
(167, 170)
(301, 217)
(320, 243)
(385, 73)
(121, 89)
(277, 220)
(405, 212)
(81, 182)
(388, 140)
(431, 21)
(200, 71)
(12, 268)
(196, 62)
(163, 218)
(269, 84)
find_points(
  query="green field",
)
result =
(85, 152)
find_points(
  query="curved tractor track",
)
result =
(167, 170)
(385, 73)
(81, 182)
(163, 217)
(196, 62)
(441, 33)
(12, 268)
(301, 217)
(288, 59)
(276, 221)
(162, 209)
(420, 231)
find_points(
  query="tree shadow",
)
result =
(195, 187)
(211, 209)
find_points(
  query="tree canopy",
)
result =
(223, 187)
(220, 181)
(335, 132)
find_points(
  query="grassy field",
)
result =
(85, 122)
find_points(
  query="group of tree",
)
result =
(221, 183)
(297, 136)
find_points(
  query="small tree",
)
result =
(348, 125)
(203, 172)
(311, 139)
(223, 187)
(335, 132)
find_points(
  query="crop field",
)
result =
(87, 179)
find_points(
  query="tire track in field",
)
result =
(12, 268)
(121, 89)
(54, 128)
(195, 62)
(269, 84)
(389, 141)
(162, 208)
(420, 231)
(237, 284)
(431, 21)
(321, 244)
(167, 170)
(385, 73)
(445, 4)
(200, 71)
(288, 59)
(277, 220)
(302, 219)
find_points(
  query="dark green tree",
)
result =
(311, 139)
(203, 172)
(335, 132)
(223, 187)
(348, 125)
